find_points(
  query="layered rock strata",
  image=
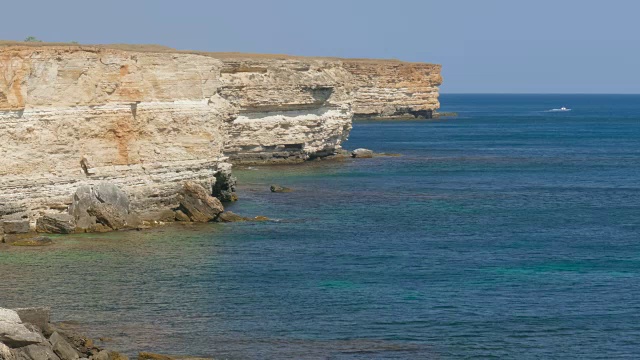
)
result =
(394, 89)
(148, 119)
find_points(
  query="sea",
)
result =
(508, 232)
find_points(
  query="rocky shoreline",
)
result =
(81, 125)
(105, 207)
(28, 334)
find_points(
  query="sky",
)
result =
(484, 46)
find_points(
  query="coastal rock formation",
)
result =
(148, 119)
(14, 333)
(56, 224)
(30, 336)
(394, 89)
(362, 153)
(197, 204)
(279, 189)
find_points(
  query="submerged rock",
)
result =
(34, 241)
(280, 189)
(197, 204)
(153, 356)
(13, 238)
(362, 153)
(56, 224)
(229, 216)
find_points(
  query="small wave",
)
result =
(558, 110)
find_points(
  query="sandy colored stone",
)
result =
(197, 204)
(148, 118)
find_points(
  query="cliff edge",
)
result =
(148, 118)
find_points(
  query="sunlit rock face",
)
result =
(148, 119)
(394, 89)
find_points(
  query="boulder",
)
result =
(197, 204)
(82, 201)
(75, 339)
(111, 194)
(102, 355)
(362, 153)
(36, 352)
(37, 316)
(224, 187)
(280, 189)
(62, 348)
(108, 214)
(14, 333)
(56, 224)
(15, 226)
(86, 206)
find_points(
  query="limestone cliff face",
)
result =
(394, 89)
(147, 120)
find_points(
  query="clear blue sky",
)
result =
(541, 46)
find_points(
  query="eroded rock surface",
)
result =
(362, 153)
(148, 119)
(56, 224)
(198, 204)
(25, 341)
(101, 205)
(14, 333)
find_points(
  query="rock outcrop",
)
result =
(147, 119)
(26, 334)
(197, 204)
(394, 89)
(14, 333)
(362, 153)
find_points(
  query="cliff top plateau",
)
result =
(154, 48)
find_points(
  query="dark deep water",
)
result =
(508, 232)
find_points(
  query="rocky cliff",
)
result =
(394, 89)
(147, 119)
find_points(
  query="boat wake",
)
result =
(559, 110)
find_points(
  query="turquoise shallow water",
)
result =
(508, 232)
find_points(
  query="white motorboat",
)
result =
(561, 109)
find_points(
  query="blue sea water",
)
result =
(507, 232)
